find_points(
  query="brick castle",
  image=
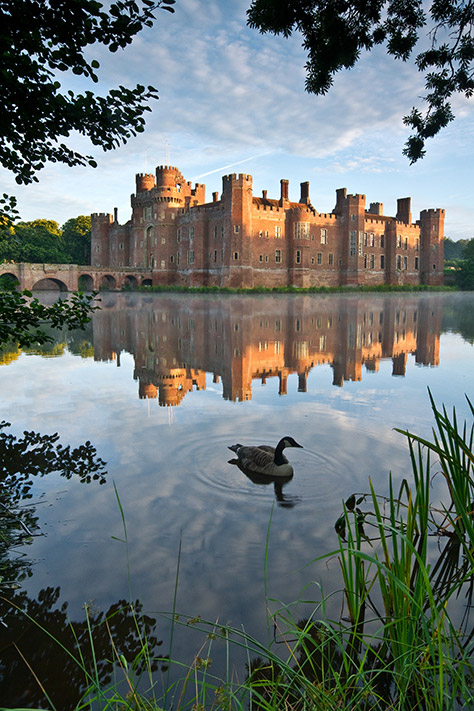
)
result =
(240, 240)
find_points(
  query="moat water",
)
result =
(161, 385)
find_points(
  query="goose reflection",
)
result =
(265, 480)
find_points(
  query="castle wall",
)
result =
(241, 240)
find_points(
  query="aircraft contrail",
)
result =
(230, 165)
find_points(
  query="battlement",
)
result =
(234, 177)
(102, 217)
(433, 212)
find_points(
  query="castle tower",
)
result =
(237, 200)
(351, 211)
(432, 247)
(100, 238)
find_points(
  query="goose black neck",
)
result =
(278, 458)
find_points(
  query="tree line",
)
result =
(45, 242)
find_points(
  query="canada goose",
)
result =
(266, 460)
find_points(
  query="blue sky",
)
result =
(232, 100)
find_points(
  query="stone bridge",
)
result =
(73, 277)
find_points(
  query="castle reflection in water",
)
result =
(176, 339)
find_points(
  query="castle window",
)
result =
(406, 242)
(365, 239)
(278, 256)
(162, 263)
(97, 249)
(236, 229)
(261, 258)
(312, 260)
(172, 258)
(365, 261)
(148, 212)
(434, 230)
(260, 233)
(298, 256)
(416, 263)
(353, 243)
(177, 258)
(191, 232)
(278, 232)
(372, 240)
(215, 255)
(382, 241)
(178, 235)
(331, 259)
(399, 262)
(236, 255)
(399, 241)
(222, 231)
(353, 218)
(405, 262)
(319, 258)
(372, 261)
(266, 257)
(190, 256)
(339, 262)
(266, 234)
(417, 245)
(434, 267)
(163, 240)
(324, 236)
(215, 231)
(121, 245)
(301, 230)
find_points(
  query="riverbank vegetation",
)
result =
(404, 638)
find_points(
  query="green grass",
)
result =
(399, 644)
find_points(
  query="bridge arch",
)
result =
(146, 282)
(9, 280)
(49, 284)
(85, 282)
(129, 282)
(108, 282)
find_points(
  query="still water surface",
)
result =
(170, 382)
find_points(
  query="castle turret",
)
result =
(100, 238)
(144, 182)
(432, 246)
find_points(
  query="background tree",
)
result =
(465, 273)
(38, 241)
(41, 41)
(336, 32)
(77, 239)
(453, 251)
